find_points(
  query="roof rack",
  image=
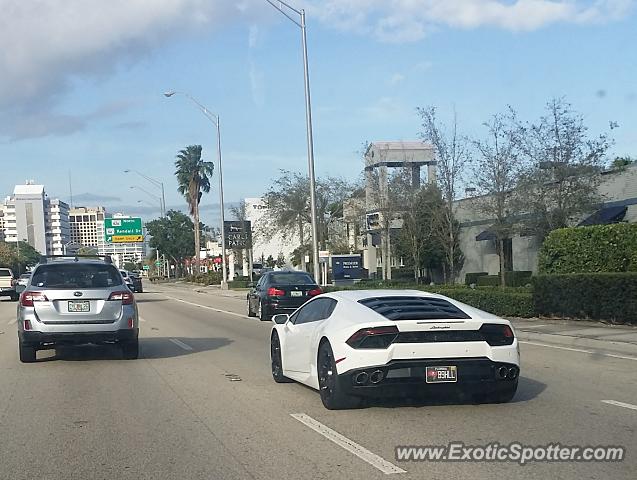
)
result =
(46, 258)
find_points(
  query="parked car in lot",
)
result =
(133, 281)
(72, 301)
(7, 284)
(375, 343)
(280, 292)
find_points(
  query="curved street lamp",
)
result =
(289, 11)
(214, 118)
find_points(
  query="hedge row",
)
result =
(506, 302)
(599, 296)
(598, 248)
(501, 302)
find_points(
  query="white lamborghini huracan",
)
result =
(353, 344)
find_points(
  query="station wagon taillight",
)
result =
(125, 297)
(27, 298)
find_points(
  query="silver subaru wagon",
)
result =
(75, 301)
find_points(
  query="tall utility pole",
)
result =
(288, 10)
(214, 118)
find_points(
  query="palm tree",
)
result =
(193, 179)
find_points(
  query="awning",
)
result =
(605, 216)
(486, 235)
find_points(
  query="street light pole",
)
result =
(158, 184)
(308, 121)
(224, 282)
(214, 118)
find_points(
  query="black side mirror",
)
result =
(281, 318)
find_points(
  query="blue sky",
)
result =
(84, 93)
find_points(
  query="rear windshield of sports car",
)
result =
(291, 279)
(76, 275)
(414, 308)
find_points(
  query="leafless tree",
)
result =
(561, 179)
(496, 174)
(453, 153)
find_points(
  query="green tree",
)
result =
(87, 250)
(280, 260)
(622, 162)
(288, 208)
(130, 266)
(270, 262)
(17, 262)
(173, 236)
(193, 180)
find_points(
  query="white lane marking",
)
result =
(181, 344)
(142, 319)
(207, 307)
(12, 321)
(349, 445)
(521, 327)
(620, 404)
(580, 350)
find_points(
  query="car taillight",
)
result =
(27, 298)
(496, 334)
(377, 337)
(275, 292)
(125, 297)
(314, 292)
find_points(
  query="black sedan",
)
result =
(280, 292)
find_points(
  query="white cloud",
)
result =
(253, 36)
(257, 85)
(410, 20)
(396, 78)
(48, 43)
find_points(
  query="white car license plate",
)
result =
(441, 374)
(79, 306)
(296, 293)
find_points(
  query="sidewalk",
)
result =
(579, 334)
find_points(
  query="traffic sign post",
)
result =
(123, 230)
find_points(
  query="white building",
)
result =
(30, 216)
(268, 245)
(87, 230)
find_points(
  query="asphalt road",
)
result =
(200, 404)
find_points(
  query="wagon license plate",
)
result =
(441, 374)
(79, 306)
(296, 293)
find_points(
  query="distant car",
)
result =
(133, 281)
(74, 302)
(280, 292)
(375, 343)
(7, 284)
(24, 279)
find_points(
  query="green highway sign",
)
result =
(123, 230)
(158, 263)
(146, 267)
